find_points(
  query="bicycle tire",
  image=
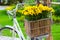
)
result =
(7, 28)
(3, 28)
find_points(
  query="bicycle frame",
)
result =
(15, 23)
(18, 29)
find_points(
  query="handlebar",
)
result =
(9, 12)
(13, 12)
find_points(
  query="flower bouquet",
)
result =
(37, 21)
(37, 12)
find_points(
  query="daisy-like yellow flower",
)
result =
(52, 10)
(30, 10)
(9, 7)
(25, 12)
(40, 7)
(45, 8)
(28, 7)
(38, 11)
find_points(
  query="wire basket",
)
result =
(38, 27)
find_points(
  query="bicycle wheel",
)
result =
(8, 32)
(1, 29)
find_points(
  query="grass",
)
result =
(56, 31)
(4, 20)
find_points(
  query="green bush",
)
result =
(55, 18)
(57, 12)
(19, 14)
(56, 15)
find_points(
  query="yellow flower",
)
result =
(30, 10)
(45, 8)
(28, 7)
(38, 11)
(40, 7)
(9, 7)
(52, 10)
(25, 12)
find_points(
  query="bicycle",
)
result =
(16, 28)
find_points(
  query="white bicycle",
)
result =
(16, 28)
